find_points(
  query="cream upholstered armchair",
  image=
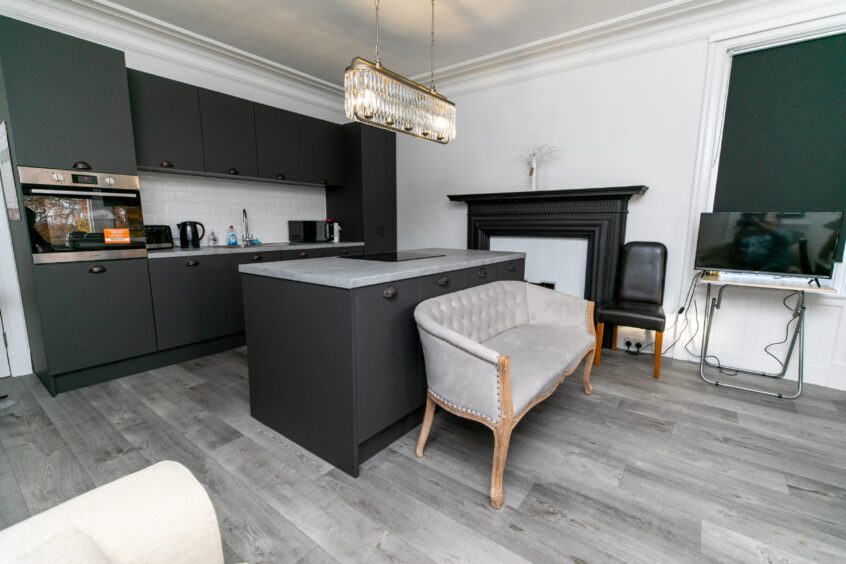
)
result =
(494, 351)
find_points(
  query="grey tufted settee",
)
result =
(494, 351)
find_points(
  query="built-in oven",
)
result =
(80, 215)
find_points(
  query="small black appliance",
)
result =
(319, 231)
(158, 236)
(189, 234)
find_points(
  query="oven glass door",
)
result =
(63, 221)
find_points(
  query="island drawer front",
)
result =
(511, 270)
(436, 285)
(342, 251)
(479, 275)
(297, 254)
(387, 370)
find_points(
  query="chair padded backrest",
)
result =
(643, 267)
(482, 312)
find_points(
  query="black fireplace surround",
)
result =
(595, 214)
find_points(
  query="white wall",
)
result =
(168, 199)
(623, 111)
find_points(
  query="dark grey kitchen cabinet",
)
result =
(342, 251)
(234, 279)
(195, 299)
(94, 313)
(297, 254)
(366, 206)
(321, 150)
(166, 121)
(229, 134)
(277, 143)
(387, 362)
(479, 275)
(68, 100)
(436, 285)
(511, 270)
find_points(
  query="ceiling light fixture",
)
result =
(380, 97)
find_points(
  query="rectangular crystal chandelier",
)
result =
(383, 98)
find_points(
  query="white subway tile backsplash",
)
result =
(168, 199)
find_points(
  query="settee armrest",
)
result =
(548, 307)
(460, 372)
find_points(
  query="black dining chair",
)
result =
(639, 298)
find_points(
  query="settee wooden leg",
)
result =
(427, 425)
(614, 338)
(502, 437)
(659, 341)
(586, 375)
(600, 328)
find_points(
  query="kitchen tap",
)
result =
(246, 237)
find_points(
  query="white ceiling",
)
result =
(320, 37)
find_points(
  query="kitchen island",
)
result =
(335, 362)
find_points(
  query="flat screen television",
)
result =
(774, 243)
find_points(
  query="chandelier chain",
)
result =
(432, 68)
(378, 58)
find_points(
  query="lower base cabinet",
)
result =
(94, 313)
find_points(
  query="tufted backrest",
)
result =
(479, 313)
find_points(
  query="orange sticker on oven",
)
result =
(113, 236)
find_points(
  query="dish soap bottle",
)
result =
(232, 240)
(213, 239)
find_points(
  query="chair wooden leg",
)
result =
(502, 437)
(427, 425)
(659, 341)
(613, 337)
(600, 328)
(586, 375)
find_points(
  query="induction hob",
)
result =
(393, 256)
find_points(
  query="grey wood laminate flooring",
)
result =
(641, 471)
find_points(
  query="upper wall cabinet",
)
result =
(229, 134)
(277, 140)
(166, 120)
(68, 100)
(321, 151)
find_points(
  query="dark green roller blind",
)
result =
(784, 138)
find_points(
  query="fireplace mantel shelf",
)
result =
(572, 194)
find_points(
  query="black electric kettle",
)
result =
(189, 236)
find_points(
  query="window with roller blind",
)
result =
(784, 136)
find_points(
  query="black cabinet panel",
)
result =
(342, 251)
(439, 284)
(297, 254)
(235, 279)
(321, 148)
(229, 134)
(511, 270)
(166, 120)
(479, 275)
(68, 100)
(277, 143)
(195, 299)
(379, 174)
(387, 368)
(94, 313)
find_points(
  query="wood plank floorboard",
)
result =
(641, 471)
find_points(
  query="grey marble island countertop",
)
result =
(225, 249)
(354, 273)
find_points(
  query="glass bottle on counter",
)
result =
(232, 240)
(213, 239)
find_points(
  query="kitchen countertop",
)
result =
(224, 249)
(350, 273)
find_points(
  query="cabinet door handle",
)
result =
(192, 262)
(256, 257)
(304, 254)
(443, 281)
(512, 267)
(324, 181)
(166, 164)
(232, 171)
(97, 269)
(81, 165)
(281, 177)
(389, 292)
(482, 273)
(344, 251)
